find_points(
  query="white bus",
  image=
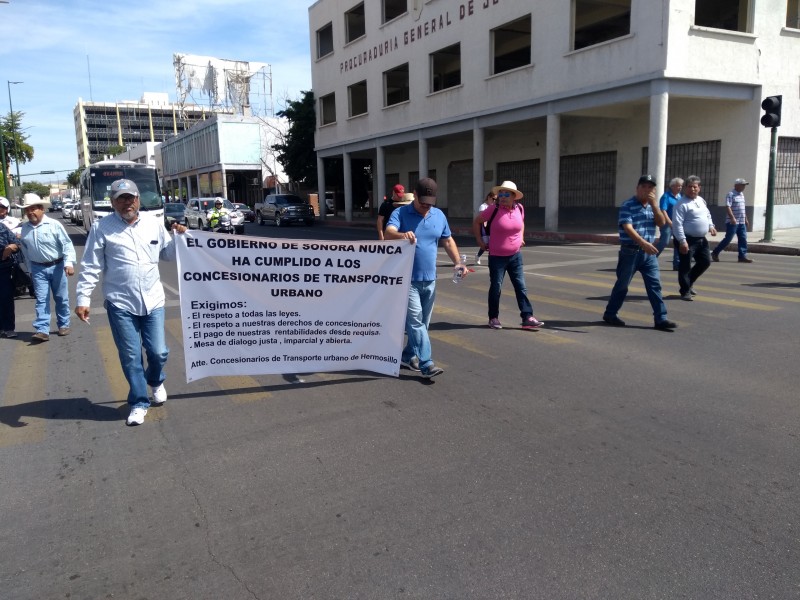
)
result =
(96, 183)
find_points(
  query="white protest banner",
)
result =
(253, 305)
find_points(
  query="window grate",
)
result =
(525, 174)
(698, 158)
(588, 180)
(787, 171)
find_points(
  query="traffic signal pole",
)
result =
(773, 143)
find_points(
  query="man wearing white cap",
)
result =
(50, 257)
(6, 219)
(735, 222)
(125, 247)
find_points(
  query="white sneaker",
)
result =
(477, 259)
(137, 416)
(159, 395)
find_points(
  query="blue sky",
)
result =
(130, 47)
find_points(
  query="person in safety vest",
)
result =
(214, 214)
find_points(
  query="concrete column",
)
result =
(225, 186)
(321, 187)
(477, 166)
(348, 186)
(551, 172)
(423, 156)
(380, 165)
(657, 154)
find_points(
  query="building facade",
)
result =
(227, 155)
(101, 125)
(571, 99)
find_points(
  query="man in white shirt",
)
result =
(690, 224)
(6, 219)
(126, 247)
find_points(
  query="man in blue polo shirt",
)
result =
(424, 225)
(638, 219)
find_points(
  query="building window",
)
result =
(446, 68)
(354, 27)
(511, 44)
(327, 109)
(733, 15)
(793, 14)
(393, 9)
(395, 84)
(357, 98)
(325, 41)
(596, 21)
(587, 180)
(698, 158)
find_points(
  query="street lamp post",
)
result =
(16, 138)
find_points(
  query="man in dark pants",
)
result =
(638, 219)
(691, 222)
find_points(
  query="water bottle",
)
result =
(458, 270)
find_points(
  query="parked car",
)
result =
(66, 210)
(76, 216)
(249, 214)
(284, 209)
(173, 212)
(330, 202)
(195, 213)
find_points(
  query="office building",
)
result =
(571, 99)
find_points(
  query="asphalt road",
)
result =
(578, 462)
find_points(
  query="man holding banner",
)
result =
(423, 225)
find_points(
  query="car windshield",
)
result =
(173, 208)
(149, 194)
(288, 200)
(209, 204)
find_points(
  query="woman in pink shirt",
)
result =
(505, 224)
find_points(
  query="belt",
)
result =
(49, 264)
(631, 246)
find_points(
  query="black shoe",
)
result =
(666, 325)
(714, 257)
(746, 260)
(687, 296)
(615, 321)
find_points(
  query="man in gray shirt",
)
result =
(690, 224)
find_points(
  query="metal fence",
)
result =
(525, 174)
(698, 158)
(588, 180)
(787, 171)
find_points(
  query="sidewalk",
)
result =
(785, 241)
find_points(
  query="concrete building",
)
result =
(571, 99)
(226, 155)
(100, 125)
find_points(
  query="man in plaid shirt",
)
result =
(736, 222)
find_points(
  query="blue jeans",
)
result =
(421, 295)
(44, 280)
(498, 267)
(632, 259)
(131, 333)
(663, 240)
(740, 229)
(688, 274)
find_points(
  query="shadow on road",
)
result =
(68, 409)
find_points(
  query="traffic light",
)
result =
(772, 111)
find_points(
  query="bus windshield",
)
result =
(144, 178)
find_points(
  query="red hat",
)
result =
(399, 189)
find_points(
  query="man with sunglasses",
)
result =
(425, 226)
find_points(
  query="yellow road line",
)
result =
(111, 367)
(20, 397)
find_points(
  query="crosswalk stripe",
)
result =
(111, 367)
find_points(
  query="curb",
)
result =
(556, 237)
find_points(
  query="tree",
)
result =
(14, 139)
(115, 149)
(34, 187)
(296, 153)
(74, 178)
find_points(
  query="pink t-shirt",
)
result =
(506, 230)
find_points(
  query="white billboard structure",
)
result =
(244, 86)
